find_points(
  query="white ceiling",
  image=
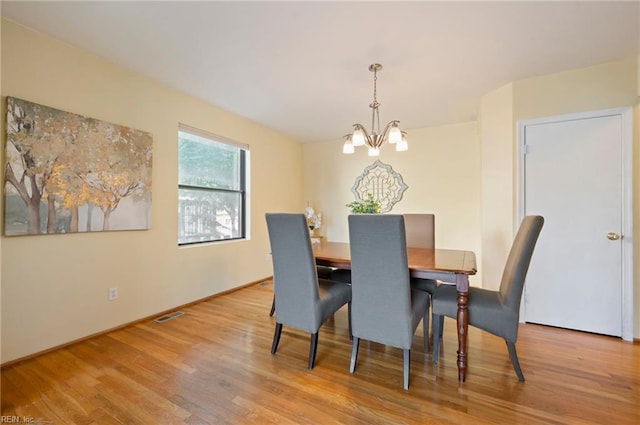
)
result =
(302, 67)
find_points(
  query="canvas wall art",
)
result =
(66, 173)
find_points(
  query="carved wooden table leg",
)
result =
(462, 284)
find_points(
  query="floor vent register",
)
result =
(169, 316)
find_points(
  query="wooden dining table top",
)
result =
(423, 262)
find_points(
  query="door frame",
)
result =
(627, 199)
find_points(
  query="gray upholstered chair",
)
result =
(302, 300)
(496, 312)
(384, 307)
(324, 272)
(420, 230)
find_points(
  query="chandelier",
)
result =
(375, 138)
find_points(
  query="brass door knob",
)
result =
(613, 236)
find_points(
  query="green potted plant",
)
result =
(367, 206)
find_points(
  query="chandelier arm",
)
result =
(364, 130)
(388, 127)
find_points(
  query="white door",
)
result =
(573, 176)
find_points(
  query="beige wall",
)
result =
(638, 74)
(636, 218)
(636, 203)
(497, 156)
(54, 287)
(604, 86)
(441, 168)
(1, 202)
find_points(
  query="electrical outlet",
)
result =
(113, 294)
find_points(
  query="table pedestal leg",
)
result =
(463, 324)
(462, 318)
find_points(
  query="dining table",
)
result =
(446, 265)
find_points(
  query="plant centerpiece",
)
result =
(367, 206)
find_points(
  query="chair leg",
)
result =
(349, 319)
(276, 338)
(406, 356)
(425, 330)
(273, 306)
(313, 346)
(354, 354)
(511, 346)
(435, 348)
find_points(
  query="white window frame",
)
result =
(242, 191)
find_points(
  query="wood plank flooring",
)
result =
(213, 366)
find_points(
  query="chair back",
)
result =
(420, 230)
(295, 280)
(515, 270)
(380, 294)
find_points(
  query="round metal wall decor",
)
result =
(382, 182)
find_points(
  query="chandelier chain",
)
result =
(375, 86)
(375, 113)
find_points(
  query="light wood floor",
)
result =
(213, 366)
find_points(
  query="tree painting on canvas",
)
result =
(67, 173)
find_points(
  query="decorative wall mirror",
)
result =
(382, 182)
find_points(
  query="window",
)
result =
(211, 187)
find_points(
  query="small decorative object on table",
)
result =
(314, 221)
(368, 206)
